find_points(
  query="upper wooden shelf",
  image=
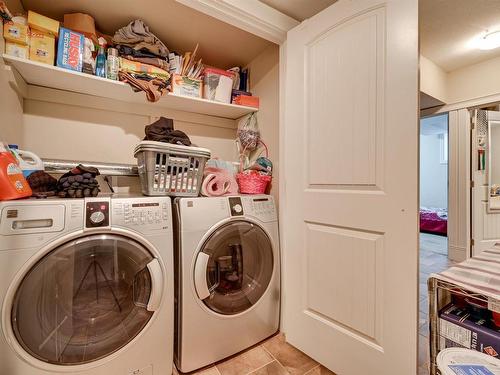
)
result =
(44, 75)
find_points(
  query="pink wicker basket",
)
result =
(253, 183)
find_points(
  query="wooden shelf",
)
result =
(38, 74)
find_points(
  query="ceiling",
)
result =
(178, 26)
(449, 27)
(299, 9)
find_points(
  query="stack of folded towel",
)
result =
(143, 63)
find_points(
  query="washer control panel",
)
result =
(236, 206)
(96, 214)
(142, 213)
(261, 207)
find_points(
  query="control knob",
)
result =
(97, 217)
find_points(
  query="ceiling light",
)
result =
(489, 41)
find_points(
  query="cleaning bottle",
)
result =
(27, 161)
(13, 185)
(100, 65)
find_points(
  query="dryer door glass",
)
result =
(84, 300)
(239, 268)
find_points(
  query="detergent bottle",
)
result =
(13, 185)
(27, 161)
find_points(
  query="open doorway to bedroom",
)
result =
(434, 142)
(434, 184)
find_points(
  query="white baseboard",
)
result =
(457, 253)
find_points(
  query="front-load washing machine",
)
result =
(87, 286)
(227, 276)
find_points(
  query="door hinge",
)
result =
(471, 183)
(472, 241)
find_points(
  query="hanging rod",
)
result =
(108, 169)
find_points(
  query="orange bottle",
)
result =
(13, 185)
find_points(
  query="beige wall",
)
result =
(433, 79)
(11, 106)
(77, 133)
(264, 82)
(467, 83)
(474, 81)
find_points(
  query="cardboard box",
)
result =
(81, 23)
(70, 49)
(17, 50)
(185, 86)
(42, 47)
(16, 33)
(41, 23)
(457, 326)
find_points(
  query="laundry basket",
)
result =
(168, 169)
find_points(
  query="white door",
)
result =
(485, 222)
(350, 204)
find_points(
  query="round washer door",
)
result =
(84, 300)
(234, 267)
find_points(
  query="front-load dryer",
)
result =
(227, 276)
(87, 286)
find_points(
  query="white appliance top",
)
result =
(35, 216)
(203, 212)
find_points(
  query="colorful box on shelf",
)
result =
(185, 86)
(17, 50)
(70, 49)
(41, 23)
(247, 100)
(42, 47)
(16, 33)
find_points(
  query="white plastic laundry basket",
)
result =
(168, 169)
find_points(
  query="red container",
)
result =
(13, 185)
(496, 318)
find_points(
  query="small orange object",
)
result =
(13, 185)
(250, 101)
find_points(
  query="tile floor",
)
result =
(276, 357)
(433, 258)
(271, 357)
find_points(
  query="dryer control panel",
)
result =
(145, 213)
(261, 207)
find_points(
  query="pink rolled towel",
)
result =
(218, 182)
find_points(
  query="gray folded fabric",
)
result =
(137, 35)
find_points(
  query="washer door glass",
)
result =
(239, 267)
(84, 300)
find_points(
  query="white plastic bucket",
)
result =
(461, 361)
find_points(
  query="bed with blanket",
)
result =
(434, 220)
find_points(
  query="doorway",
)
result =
(433, 240)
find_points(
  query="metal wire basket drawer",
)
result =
(168, 169)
